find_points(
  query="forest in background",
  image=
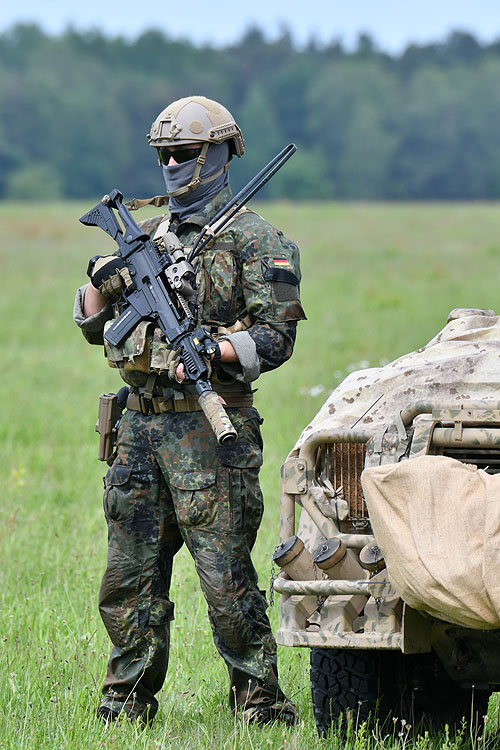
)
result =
(421, 125)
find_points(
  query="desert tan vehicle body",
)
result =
(348, 575)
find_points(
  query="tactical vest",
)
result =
(222, 294)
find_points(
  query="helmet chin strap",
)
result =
(195, 180)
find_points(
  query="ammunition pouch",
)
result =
(181, 402)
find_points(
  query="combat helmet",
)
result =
(193, 120)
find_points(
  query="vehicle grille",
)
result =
(489, 460)
(343, 464)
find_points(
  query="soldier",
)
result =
(171, 483)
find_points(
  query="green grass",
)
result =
(378, 281)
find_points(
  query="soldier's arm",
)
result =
(92, 309)
(270, 275)
(93, 301)
(91, 323)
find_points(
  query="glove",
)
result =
(108, 273)
(173, 361)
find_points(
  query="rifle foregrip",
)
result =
(217, 417)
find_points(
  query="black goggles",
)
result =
(180, 155)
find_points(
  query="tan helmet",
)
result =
(192, 120)
(196, 119)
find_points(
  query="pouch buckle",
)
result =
(147, 406)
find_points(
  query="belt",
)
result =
(160, 405)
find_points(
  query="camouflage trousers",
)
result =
(172, 484)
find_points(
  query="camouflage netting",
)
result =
(460, 363)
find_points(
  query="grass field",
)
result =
(378, 281)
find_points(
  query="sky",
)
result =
(392, 23)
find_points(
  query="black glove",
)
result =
(108, 273)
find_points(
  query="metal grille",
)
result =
(344, 463)
(488, 460)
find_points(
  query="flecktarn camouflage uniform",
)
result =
(171, 483)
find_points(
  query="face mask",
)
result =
(179, 175)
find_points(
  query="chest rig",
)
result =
(145, 351)
(193, 280)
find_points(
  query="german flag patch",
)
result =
(281, 263)
(280, 271)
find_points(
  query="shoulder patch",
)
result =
(282, 275)
(281, 263)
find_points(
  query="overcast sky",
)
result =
(393, 23)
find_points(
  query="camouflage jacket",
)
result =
(249, 273)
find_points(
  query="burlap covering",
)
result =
(437, 521)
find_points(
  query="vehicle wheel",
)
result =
(356, 683)
(386, 684)
(433, 699)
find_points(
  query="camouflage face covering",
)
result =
(179, 175)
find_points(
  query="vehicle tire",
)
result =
(362, 684)
(356, 683)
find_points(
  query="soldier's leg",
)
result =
(219, 506)
(134, 596)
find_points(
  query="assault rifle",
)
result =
(160, 287)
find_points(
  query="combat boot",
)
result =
(269, 711)
(107, 714)
(145, 717)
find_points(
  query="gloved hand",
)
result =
(176, 368)
(108, 273)
(173, 362)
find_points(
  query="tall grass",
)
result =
(378, 280)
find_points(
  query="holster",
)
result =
(108, 418)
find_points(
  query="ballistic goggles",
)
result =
(180, 155)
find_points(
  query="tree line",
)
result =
(423, 124)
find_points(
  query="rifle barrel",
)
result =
(242, 197)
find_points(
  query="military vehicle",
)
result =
(390, 575)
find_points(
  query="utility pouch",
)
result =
(107, 426)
